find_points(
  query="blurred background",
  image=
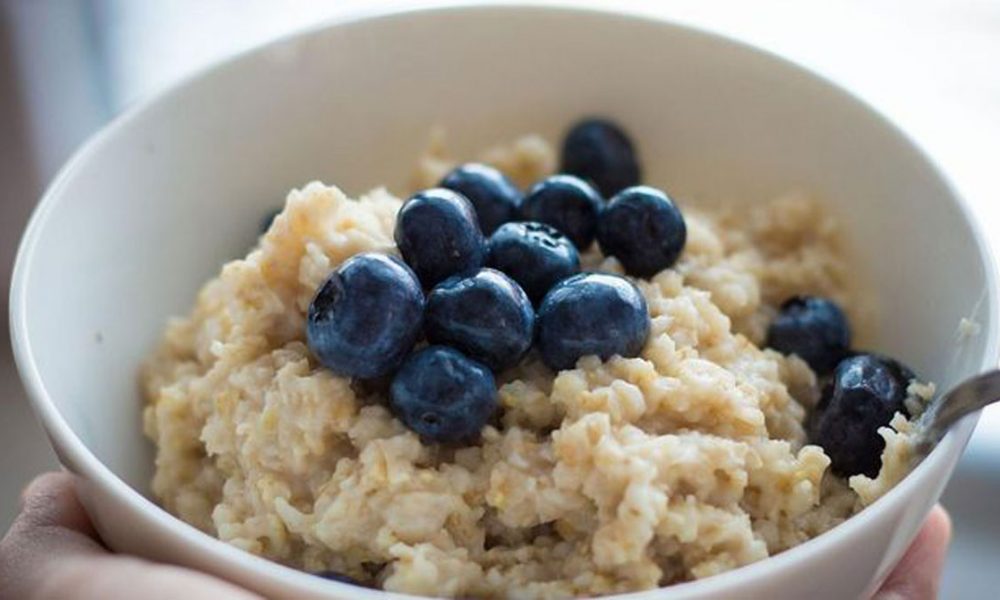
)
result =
(69, 66)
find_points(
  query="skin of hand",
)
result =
(52, 552)
(918, 574)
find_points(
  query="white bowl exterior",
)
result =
(148, 211)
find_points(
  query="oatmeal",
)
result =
(626, 474)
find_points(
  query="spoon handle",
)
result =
(966, 398)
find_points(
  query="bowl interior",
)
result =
(152, 208)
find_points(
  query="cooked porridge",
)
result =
(617, 475)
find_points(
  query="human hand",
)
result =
(918, 574)
(52, 552)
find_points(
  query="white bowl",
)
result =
(150, 208)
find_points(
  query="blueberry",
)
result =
(591, 313)
(599, 151)
(486, 316)
(366, 317)
(813, 328)
(438, 234)
(534, 255)
(567, 203)
(643, 229)
(863, 395)
(494, 197)
(903, 374)
(339, 577)
(268, 219)
(442, 395)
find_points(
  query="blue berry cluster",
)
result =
(488, 273)
(862, 390)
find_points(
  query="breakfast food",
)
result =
(443, 396)
(535, 255)
(643, 230)
(492, 194)
(437, 233)
(599, 151)
(860, 383)
(578, 420)
(591, 314)
(568, 204)
(486, 315)
(366, 317)
(814, 329)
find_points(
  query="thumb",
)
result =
(52, 551)
(918, 574)
(52, 523)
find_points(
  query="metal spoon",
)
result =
(964, 399)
